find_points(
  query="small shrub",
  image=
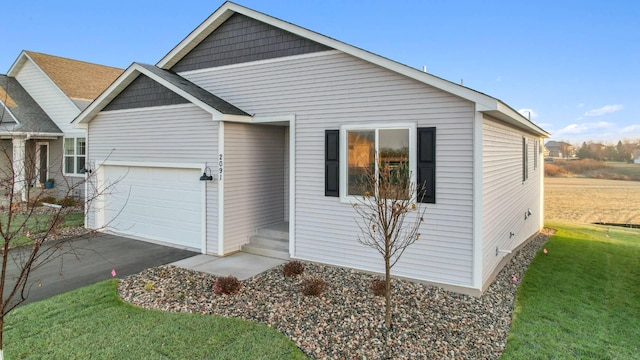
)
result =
(227, 285)
(68, 201)
(293, 268)
(312, 286)
(554, 170)
(45, 199)
(148, 286)
(378, 287)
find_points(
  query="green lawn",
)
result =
(581, 300)
(93, 323)
(36, 224)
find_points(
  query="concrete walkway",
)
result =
(240, 265)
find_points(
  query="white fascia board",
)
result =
(505, 113)
(17, 65)
(236, 118)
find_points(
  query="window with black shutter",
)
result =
(332, 163)
(426, 166)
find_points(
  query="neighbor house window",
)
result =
(75, 152)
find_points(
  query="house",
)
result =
(39, 97)
(279, 116)
(560, 149)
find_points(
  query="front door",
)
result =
(42, 161)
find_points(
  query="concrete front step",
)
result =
(264, 251)
(269, 243)
(272, 241)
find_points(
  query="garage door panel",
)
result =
(162, 204)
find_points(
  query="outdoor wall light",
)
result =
(206, 177)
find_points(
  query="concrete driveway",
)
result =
(90, 259)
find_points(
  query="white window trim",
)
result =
(413, 151)
(75, 155)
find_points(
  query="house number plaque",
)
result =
(220, 167)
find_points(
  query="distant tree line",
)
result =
(622, 151)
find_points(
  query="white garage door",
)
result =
(161, 204)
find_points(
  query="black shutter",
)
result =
(332, 163)
(427, 165)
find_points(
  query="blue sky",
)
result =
(573, 65)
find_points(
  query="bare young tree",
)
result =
(30, 232)
(389, 216)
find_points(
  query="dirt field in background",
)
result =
(592, 200)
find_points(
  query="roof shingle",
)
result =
(79, 80)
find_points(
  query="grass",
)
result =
(582, 299)
(37, 223)
(592, 200)
(94, 323)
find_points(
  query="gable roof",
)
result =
(19, 113)
(80, 81)
(219, 108)
(484, 103)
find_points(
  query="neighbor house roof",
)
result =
(484, 103)
(219, 108)
(19, 113)
(80, 81)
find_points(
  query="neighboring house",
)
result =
(39, 97)
(279, 116)
(560, 149)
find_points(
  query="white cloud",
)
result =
(528, 113)
(607, 109)
(631, 129)
(585, 128)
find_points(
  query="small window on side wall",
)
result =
(525, 160)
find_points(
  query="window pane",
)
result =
(68, 164)
(80, 163)
(81, 146)
(394, 160)
(68, 146)
(361, 160)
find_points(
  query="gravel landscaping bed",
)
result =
(347, 320)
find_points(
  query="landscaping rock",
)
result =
(347, 321)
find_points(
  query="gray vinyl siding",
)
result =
(254, 181)
(330, 89)
(144, 92)
(166, 134)
(242, 39)
(506, 198)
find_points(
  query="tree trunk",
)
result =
(387, 278)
